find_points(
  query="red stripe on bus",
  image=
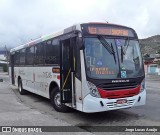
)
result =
(111, 94)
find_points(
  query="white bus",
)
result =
(91, 67)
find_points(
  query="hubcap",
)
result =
(57, 100)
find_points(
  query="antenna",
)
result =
(105, 20)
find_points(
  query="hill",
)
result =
(150, 45)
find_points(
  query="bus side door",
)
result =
(67, 71)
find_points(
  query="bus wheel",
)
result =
(20, 87)
(56, 102)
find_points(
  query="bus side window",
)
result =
(22, 57)
(16, 58)
(52, 52)
(39, 54)
(30, 56)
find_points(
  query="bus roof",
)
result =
(52, 35)
(46, 37)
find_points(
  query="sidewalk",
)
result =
(15, 113)
(4, 77)
(153, 77)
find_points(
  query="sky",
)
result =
(23, 20)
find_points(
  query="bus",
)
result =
(90, 67)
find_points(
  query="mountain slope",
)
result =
(150, 45)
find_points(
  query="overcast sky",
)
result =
(23, 20)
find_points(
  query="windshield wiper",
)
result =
(113, 53)
(107, 46)
(122, 53)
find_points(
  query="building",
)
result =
(152, 64)
(3, 59)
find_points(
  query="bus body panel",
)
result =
(92, 104)
(36, 79)
(85, 90)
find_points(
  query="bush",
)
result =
(5, 68)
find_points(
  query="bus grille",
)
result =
(117, 86)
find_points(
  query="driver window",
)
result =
(93, 52)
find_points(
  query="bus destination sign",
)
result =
(108, 31)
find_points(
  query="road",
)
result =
(147, 115)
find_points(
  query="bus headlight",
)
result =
(142, 85)
(93, 90)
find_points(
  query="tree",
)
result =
(5, 68)
(146, 56)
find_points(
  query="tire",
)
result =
(20, 87)
(55, 101)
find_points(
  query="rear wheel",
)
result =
(56, 101)
(20, 87)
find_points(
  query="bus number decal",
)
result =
(47, 74)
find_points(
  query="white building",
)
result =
(2, 59)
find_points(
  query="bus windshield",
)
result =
(124, 61)
(130, 58)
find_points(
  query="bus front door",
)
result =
(66, 71)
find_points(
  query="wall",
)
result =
(153, 69)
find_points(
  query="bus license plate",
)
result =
(121, 101)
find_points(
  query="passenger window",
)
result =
(22, 56)
(16, 58)
(52, 52)
(30, 56)
(39, 54)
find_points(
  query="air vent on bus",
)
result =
(118, 86)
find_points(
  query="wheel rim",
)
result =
(57, 100)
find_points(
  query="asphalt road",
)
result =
(148, 115)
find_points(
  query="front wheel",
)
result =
(56, 101)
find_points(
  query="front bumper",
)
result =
(92, 104)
